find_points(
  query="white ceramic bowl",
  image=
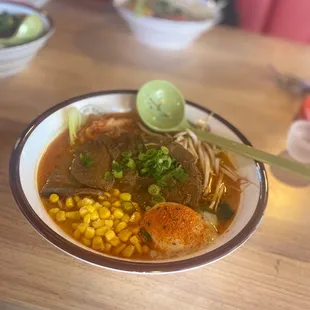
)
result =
(36, 3)
(16, 58)
(33, 142)
(167, 34)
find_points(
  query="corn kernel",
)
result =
(90, 208)
(128, 251)
(119, 227)
(118, 213)
(61, 216)
(125, 234)
(125, 218)
(102, 230)
(80, 204)
(106, 204)
(73, 215)
(83, 211)
(94, 216)
(69, 202)
(135, 218)
(115, 192)
(85, 241)
(113, 209)
(104, 213)
(116, 204)
(53, 211)
(97, 243)
(108, 195)
(135, 205)
(109, 235)
(109, 223)
(97, 205)
(116, 222)
(138, 248)
(77, 234)
(54, 198)
(89, 233)
(86, 218)
(145, 249)
(113, 199)
(102, 197)
(75, 225)
(87, 201)
(134, 240)
(82, 227)
(125, 196)
(115, 241)
(140, 238)
(119, 248)
(76, 198)
(97, 224)
(136, 230)
(107, 247)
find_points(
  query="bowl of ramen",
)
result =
(99, 185)
(168, 24)
(24, 30)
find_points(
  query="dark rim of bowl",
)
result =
(108, 261)
(44, 13)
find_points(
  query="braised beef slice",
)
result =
(92, 173)
(111, 145)
(140, 193)
(61, 182)
(124, 143)
(188, 192)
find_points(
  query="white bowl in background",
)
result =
(34, 141)
(35, 3)
(164, 33)
(14, 59)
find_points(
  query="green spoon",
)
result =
(161, 106)
(29, 29)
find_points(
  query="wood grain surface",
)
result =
(225, 70)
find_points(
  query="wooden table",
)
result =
(226, 71)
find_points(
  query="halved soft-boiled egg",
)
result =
(174, 228)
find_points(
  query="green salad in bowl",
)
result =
(17, 29)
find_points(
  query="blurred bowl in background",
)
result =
(35, 3)
(14, 59)
(165, 33)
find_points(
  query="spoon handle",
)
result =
(252, 153)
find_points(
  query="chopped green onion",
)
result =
(158, 199)
(116, 165)
(144, 170)
(117, 174)
(154, 189)
(131, 163)
(151, 152)
(107, 176)
(141, 156)
(128, 207)
(145, 235)
(127, 154)
(86, 160)
(164, 150)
